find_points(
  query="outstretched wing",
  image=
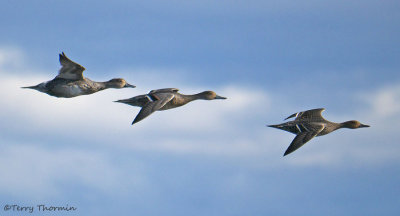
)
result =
(164, 90)
(303, 137)
(150, 107)
(314, 114)
(69, 69)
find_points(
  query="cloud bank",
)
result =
(42, 135)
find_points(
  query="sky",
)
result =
(269, 58)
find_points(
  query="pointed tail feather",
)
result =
(275, 126)
(139, 101)
(30, 87)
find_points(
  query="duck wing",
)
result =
(164, 90)
(69, 69)
(310, 131)
(160, 100)
(314, 114)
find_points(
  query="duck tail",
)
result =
(274, 126)
(138, 101)
(128, 101)
(31, 87)
(122, 101)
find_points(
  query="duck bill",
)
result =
(363, 125)
(219, 97)
(127, 85)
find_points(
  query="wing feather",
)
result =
(303, 137)
(153, 106)
(315, 114)
(69, 69)
(164, 90)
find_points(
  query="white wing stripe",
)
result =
(149, 98)
(298, 128)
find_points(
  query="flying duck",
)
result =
(163, 99)
(70, 82)
(309, 124)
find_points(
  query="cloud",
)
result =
(37, 172)
(385, 102)
(376, 145)
(232, 128)
(10, 58)
(187, 129)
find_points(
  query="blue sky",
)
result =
(270, 58)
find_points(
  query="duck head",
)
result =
(209, 95)
(118, 83)
(353, 124)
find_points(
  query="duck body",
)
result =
(60, 87)
(309, 124)
(164, 99)
(70, 82)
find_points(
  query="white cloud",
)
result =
(230, 128)
(38, 173)
(10, 58)
(385, 102)
(361, 147)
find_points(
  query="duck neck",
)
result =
(344, 125)
(193, 97)
(101, 85)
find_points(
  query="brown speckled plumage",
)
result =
(309, 124)
(70, 81)
(163, 99)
